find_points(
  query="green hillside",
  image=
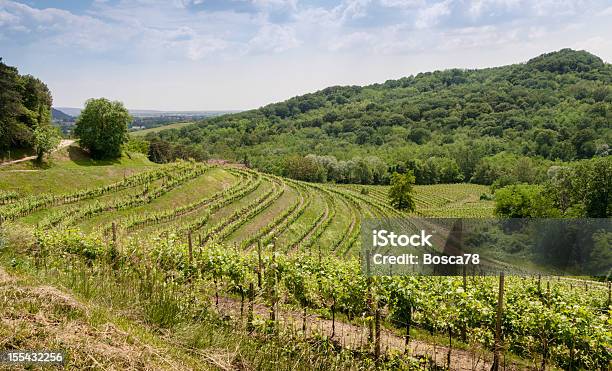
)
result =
(507, 124)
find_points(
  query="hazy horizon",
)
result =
(211, 55)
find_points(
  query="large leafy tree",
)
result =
(102, 127)
(401, 192)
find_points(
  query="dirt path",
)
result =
(63, 143)
(356, 337)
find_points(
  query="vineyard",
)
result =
(232, 205)
(250, 240)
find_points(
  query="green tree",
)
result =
(25, 103)
(137, 145)
(401, 192)
(304, 168)
(524, 201)
(102, 127)
(46, 138)
(160, 151)
(584, 189)
(36, 99)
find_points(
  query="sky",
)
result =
(242, 54)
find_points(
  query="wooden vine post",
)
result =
(114, 227)
(114, 247)
(259, 264)
(273, 288)
(498, 328)
(377, 328)
(408, 323)
(333, 313)
(545, 345)
(190, 247)
(250, 314)
(369, 300)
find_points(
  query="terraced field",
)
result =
(230, 204)
(150, 219)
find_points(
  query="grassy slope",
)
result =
(67, 170)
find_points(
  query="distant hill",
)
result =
(59, 116)
(507, 124)
(74, 111)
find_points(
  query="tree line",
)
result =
(582, 189)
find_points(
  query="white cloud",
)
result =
(351, 40)
(273, 38)
(402, 3)
(605, 12)
(351, 9)
(291, 4)
(430, 16)
(477, 8)
(7, 19)
(340, 41)
(63, 28)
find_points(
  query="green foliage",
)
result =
(454, 124)
(304, 168)
(102, 127)
(583, 189)
(46, 139)
(522, 201)
(25, 104)
(435, 170)
(566, 60)
(314, 168)
(162, 152)
(401, 192)
(137, 145)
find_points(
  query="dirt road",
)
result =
(356, 337)
(63, 143)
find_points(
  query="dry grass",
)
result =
(43, 317)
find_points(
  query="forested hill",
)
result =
(511, 122)
(58, 115)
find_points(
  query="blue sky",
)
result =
(240, 54)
